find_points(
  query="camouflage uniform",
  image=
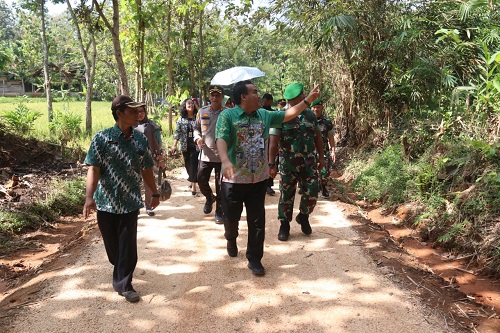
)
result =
(326, 126)
(297, 163)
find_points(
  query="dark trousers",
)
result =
(191, 164)
(253, 196)
(270, 182)
(119, 233)
(204, 172)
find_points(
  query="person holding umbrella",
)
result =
(242, 133)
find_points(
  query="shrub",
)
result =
(66, 126)
(21, 120)
(385, 180)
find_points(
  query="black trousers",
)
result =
(253, 196)
(191, 164)
(270, 182)
(119, 233)
(204, 172)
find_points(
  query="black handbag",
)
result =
(165, 188)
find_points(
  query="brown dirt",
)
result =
(469, 301)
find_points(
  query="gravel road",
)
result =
(318, 283)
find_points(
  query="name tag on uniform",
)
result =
(261, 143)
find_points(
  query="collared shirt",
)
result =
(120, 160)
(204, 127)
(184, 133)
(297, 146)
(246, 136)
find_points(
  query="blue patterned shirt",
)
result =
(120, 161)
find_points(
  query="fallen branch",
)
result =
(462, 270)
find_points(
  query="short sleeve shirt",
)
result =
(246, 136)
(120, 160)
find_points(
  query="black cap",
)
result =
(123, 101)
(215, 88)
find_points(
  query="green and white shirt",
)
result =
(246, 136)
(120, 160)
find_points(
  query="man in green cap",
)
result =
(327, 134)
(298, 140)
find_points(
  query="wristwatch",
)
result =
(271, 164)
(156, 195)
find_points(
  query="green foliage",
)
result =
(456, 230)
(385, 179)
(67, 200)
(66, 126)
(21, 120)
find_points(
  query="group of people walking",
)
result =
(240, 144)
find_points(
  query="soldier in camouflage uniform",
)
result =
(327, 133)
(298, 141)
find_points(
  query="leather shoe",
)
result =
(130, 296)
(303, 220)
(232, 248)
(325, 193)
(219, 217)
(256, 268)
(284, 231)
(270, 191)
(207, 208)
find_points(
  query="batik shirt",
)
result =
(246, 136)
(120, 160)
(184, 133)
(326, 127)
(297, 147)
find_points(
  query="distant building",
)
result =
(10, 87)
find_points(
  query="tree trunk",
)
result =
(46, 70)
(89, 65)
(170, 69)
(139, 54)
(202, 55)
(188, 42)
(115, 35)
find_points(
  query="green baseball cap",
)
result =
(317, 101)
(293, 90)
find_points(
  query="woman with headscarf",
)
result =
(184, 136)
(153, 133)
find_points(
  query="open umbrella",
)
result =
(236, 74)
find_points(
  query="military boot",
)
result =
(284, 231)
(303, 220)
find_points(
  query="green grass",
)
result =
(101, 117)
(67, 200)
